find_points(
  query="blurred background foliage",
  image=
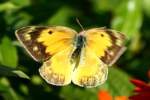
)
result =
(19, 77)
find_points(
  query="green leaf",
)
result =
(128, 17)
(7, 6)
(21, 74)
(105, 5)
(8, 53)
(36, 80)
(23, 3)
(118, 83)
(13, 5)
(24, 89)
(77, 93)
(3, 88)
(61, 16)
(146, 6)
(10, 93)
(22, 19)
(8, 71)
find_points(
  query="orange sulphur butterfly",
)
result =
(82, 58)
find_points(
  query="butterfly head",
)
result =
(82, 33)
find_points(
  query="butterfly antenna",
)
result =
(79, 24)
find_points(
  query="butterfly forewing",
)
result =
(107, 44)
(42, 42)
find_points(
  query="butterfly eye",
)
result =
(50, 32)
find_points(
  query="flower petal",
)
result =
(104, 95)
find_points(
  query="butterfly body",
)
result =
(82, 58)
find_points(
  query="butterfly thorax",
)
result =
(80, 41)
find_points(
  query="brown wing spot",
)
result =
(50, 76)
(48, 63)
(50, 32)
(88, 81)
(102, 35)
(112, 36)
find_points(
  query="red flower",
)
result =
(104, 95)
(142, 89)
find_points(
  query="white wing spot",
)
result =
(35, 48)
(111, 53)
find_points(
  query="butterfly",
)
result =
(82, 58)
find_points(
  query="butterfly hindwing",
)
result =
(58, 70)
(91, 71)
(107, 44)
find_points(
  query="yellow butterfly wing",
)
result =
(107, 44)
(58, 69)
(102, 47)
(54, 45)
